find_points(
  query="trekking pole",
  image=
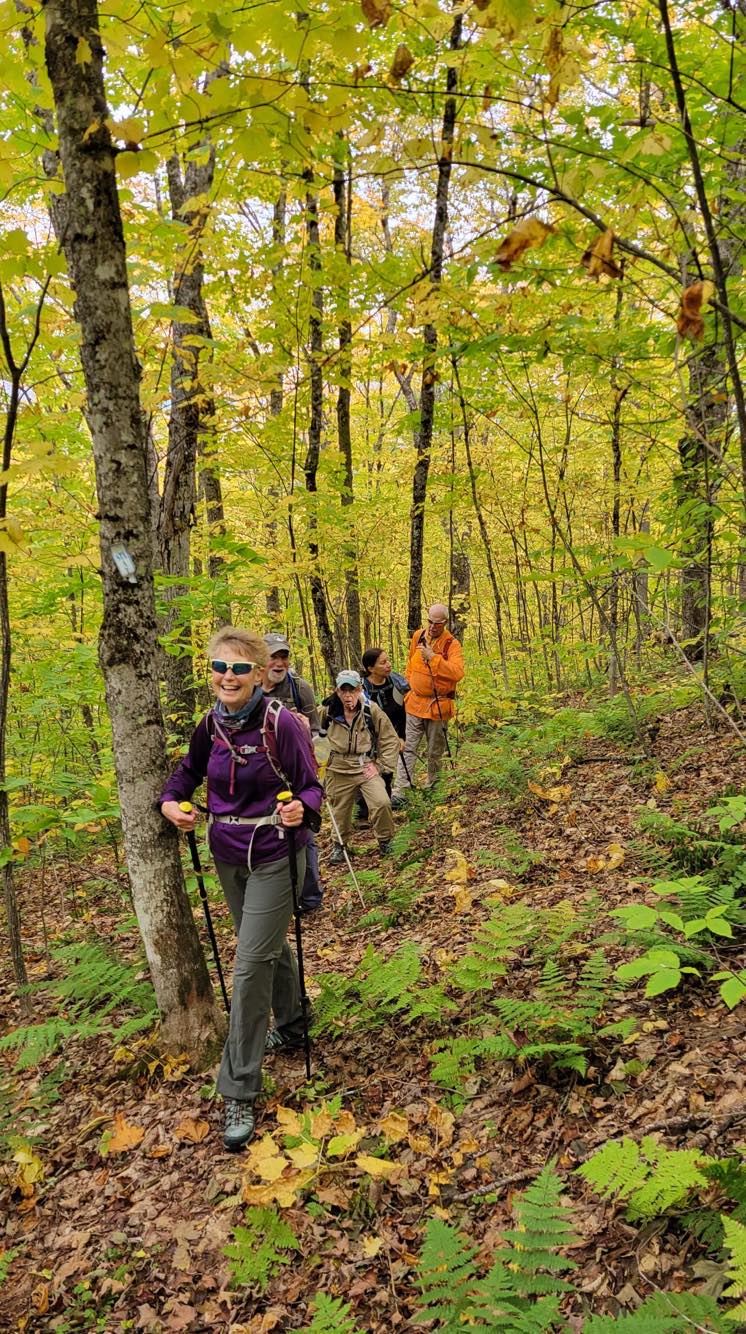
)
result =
(343, 846)
(289, 833)
(187, 807)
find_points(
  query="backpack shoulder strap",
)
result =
(295, 691)
(272, 711)
(368, 716)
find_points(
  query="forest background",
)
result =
(420, 301)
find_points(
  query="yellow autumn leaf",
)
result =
(23, 846)
(458, 872)
(14, 530)
(345, 1123)
(595, 864)
(394, 1127)
(434, 1182)
(662, 782)
(123, 1137)
(557, 794)
(321, 1124)
(371, 1247)
(305, 1155)
(191, 1130)
(502, 889)
(598, 258)
(378, 1168)
(442, 1122)
(282, 1192)
(290, 1122)
(419, 1143)
(83, 52)
(30, 1167)
(614, 856)
(462, 898)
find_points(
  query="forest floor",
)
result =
(117, 1200)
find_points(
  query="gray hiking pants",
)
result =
(265, 974)
(434, 732)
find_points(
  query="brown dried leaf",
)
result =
(376, 12)
(690, 322)
(194, 1131)
(401, 64)
(599, 258)
(526, 234)
(123, 1137)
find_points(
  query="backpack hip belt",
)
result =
(255, 820)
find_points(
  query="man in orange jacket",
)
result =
(434, 668)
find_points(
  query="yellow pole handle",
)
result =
(284, 796)
(186, 807)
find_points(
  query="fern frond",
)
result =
(650, 1177)
(446, 1273)
(258, 1248)
(664, 1313)
(331, 1316)
(735, 1243)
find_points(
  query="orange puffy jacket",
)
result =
(441, 674)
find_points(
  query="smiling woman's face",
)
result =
(234, 689)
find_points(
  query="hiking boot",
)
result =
(398, 802)
(338, 855)
(385, 846)
(276, 1040)
(306, 908)
(239, 1124)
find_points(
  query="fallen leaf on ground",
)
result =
(194, 1131)
(123, 1137)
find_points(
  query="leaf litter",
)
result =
(124, 1202)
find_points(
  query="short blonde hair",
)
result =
(251, 646)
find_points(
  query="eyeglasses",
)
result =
(435, 622)
(238, 668)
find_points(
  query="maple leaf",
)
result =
(690, 322)
(401, 64)
(194, 1131)
(526, 234)
(376, 12)
(290, 1121)
(599, 259)
(123, 1137)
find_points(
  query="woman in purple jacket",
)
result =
(249, 750)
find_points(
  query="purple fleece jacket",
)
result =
(255, 787)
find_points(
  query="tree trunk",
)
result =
(315, 424)
(343, 246)
(430, 339)
(699, 448)
(186, 424)
(95, 253)
(277, 393)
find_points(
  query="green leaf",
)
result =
(664, 980)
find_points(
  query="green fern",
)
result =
(259, 1248)
(664, 1313)
(651, 1178)
(93, 985)
(446, 1276)
(735, 1243)
(331, 1316)
(524, 1286)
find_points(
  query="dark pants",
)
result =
(312, 893)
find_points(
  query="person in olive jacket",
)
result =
(363, 750)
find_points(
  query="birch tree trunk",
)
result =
(95, 252)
